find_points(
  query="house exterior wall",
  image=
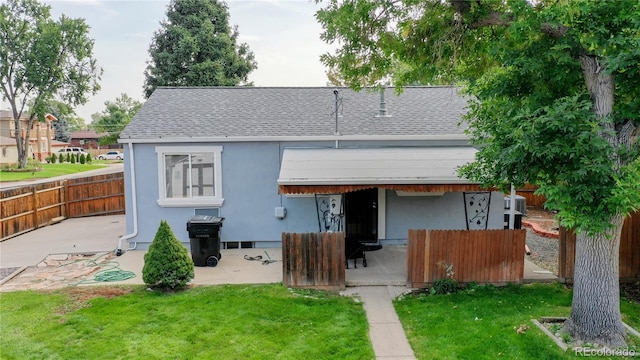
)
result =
(250, 191)
(8, 153)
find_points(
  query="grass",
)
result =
(48, 170)
(481, 323)
(218, 322)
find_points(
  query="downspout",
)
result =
(336, 94)
(134, 206)
(512, 207)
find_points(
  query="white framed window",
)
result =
(189, 176)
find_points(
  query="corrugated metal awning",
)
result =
(343, 170)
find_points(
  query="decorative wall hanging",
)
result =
(330, 212)
(476, 209)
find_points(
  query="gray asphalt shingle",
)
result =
(294, 111)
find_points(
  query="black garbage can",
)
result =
(204, 236)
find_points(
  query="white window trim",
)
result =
(209, 201)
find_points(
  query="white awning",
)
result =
(371, 166)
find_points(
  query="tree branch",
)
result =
(493, 19)
(555, 31)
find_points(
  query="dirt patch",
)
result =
(631, 291)
(80, 296)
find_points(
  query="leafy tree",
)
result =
(167, 264)
(196, 47)
(115, 118)
(40, 60)
(61, 126)
(555, 91)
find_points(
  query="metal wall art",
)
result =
(476, 209)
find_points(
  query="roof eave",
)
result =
(218, 139)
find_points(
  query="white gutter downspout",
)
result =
(512, 207)
(134, 206)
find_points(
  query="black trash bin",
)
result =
(204, 236)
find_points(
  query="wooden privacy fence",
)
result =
(531, 199)
(313, 260)
(29, 207)
(629, 252)
(483, 256)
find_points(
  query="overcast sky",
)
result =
(283, 35)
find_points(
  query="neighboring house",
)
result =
(274, 160)
(40, 141)
(87, 139)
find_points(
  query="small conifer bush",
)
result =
(82, 159)
(52, 159)
(88, 158)
(167, 263)
(61, 158)
(73, 159)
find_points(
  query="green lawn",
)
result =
(218, 322)
(479, 323)
(48, 170)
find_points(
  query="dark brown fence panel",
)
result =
(483, 256)
(629, 251)
(95, 195)
(313, 260)
(28, 207)
(533, 200)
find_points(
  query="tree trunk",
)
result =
(595, 310)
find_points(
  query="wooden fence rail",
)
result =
(629, 252)
(314, 260)
(29, 207)
(483, 256)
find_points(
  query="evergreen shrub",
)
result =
(167, 263)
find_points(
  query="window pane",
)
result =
(202, 174)
(176, 167)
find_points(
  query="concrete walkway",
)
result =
(385, 330)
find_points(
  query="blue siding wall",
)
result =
(249, 186)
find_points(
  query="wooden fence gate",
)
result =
(29, 207)
(483, 256)
(313, 260)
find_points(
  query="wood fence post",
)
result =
(36, 223)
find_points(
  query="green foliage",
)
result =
(522, 65)
(167, 264)
(115, 118)
(42, 59)
(88, 159)
(52, 159)
(68, 158)
(61, 126)
(82, 159)
(196, 46)
(444, 286)
(72, 157)
(61, 158)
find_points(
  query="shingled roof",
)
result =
(214, 112)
